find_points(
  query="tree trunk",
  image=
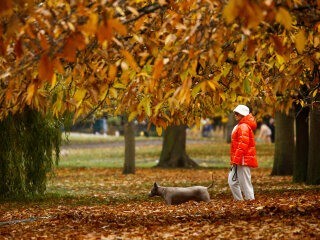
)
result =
(314, 144)
(284, 144)
(230, 125)
(129, 161)
(173, 152)
(300, 166)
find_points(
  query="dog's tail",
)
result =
(211, 183)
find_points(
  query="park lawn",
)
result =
(101, 203)
(210, 154)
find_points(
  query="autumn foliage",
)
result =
(104, 204)
(169, 61)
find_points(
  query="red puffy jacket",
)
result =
(243, 150)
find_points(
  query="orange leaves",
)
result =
(18, 48)
(278, 44)
(284, 18)
(30, 92)
(300, 41)
(245, 9)
(6, 7)
(45, 68)
(105, 30)
(130, 59)
(158, 67)
(44, 42)
(251, 48)
(92, 24)
(231, 11)
(72, 43)
(112, 72)
(281, 209)
(118, 26)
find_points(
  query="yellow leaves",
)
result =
(146, 105)
(92, 24)
(45, 68)
(132, 115)
(159, 130)
(213, 85)
(315, 93)
(170, 39)
(130, 59)
(249, 11)
(119, 85)
(300, 41)
(230, 11)
(284, 18)
(30, 92)
(196, 89)
(79, 96)
(54, 81)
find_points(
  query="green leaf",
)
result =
(147, 106)
(196, 89)
(119, 85)
(184, 75)
(247, 86)
(226, 71)
(243, 59)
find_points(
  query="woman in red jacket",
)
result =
(243, 154)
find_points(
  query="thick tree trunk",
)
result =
(314, 144)
(284, 145)
(230, 125)
(129, 161)
(173, 152)
(300, 166)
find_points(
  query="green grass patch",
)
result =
(207, 155)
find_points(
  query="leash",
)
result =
(235, 175)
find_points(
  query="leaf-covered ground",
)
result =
(104, 204)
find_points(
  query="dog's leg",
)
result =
(168, 202)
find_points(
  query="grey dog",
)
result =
(177, 195)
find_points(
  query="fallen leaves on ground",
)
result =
(104, 204)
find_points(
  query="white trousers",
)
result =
(241, 181)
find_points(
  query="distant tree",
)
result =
(129, 156)
(173, 152)
(284, 144)
(314, 143)
(300, 165)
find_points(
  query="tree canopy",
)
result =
(170, 61)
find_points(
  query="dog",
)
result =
(178, 195)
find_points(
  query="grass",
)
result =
(83, 138)
(207, 155)
(75, 139)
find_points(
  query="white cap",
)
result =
(242, 109)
